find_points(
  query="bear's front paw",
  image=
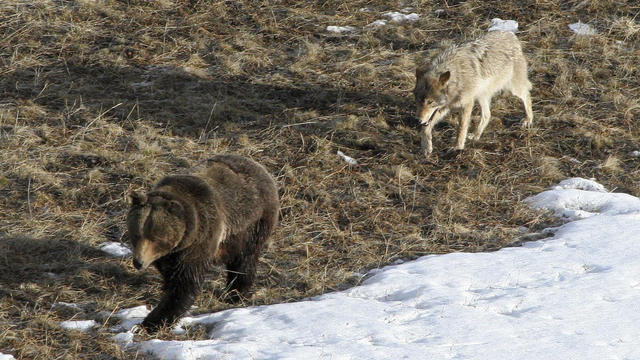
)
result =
(151, 327)
(137, 330)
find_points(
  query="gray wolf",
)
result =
(464, 74)
(223, 212)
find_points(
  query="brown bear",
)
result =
(221, 213)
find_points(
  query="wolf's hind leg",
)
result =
(520, 87)
(526, 100)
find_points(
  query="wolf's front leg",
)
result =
(426, 139)
(485, 106)
(463, 127)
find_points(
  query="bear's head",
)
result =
(157, 224)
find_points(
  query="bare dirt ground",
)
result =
(100, 97)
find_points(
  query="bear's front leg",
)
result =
(180, 291)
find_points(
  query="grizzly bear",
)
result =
(223, 212)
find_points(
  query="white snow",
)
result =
(503, 25)
(580, 184)
(582, 29)
(123, 338)
(115, 249)
(634, 153)
(340, 29)
(398, 17)
(377, 23)
(130, 317)
(6, 357)
(80, 325)
(571, 296)
(348, 159)
(580, 198)
(66, 305)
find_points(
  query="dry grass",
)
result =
(103, 96)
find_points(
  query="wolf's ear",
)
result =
(137, 198)
(444, 77)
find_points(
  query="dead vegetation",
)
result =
(100, 97)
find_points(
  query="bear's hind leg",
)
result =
(240, 275)
(241, 267)
(243, 259)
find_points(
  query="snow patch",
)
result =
(340, 29)
(580, 184)
(579, 198)
(123, 338)
(130, 317)
(377, 23)
(503, 25)
(398, 17)
(66, 306)
(80, 325)
(115, 249)
(348, 159)
(6, 357)
(582, 29)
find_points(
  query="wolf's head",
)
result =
(429, 94)
(156, 225)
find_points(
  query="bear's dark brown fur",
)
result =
(222, 213)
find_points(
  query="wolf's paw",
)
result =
(452, 153)
(526, 124)
(473, 137)
(426, 152)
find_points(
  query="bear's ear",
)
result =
(137, 198)
(175, 208)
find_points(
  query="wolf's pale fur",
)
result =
(463, 74)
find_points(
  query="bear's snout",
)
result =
(137, 264)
